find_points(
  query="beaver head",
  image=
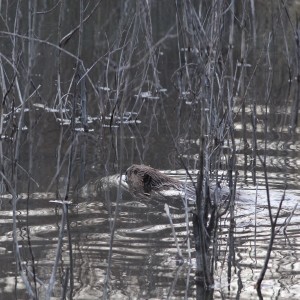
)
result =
(144, 179)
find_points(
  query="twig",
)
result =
(179, 253)
(25, 37)
(288, 219)
(67, 37)
(57, 253)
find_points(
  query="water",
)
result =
(115, 245)
(144, 257)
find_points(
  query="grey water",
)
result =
(118, 246)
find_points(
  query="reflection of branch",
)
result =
(58, 252)
(111, 241)
(173, 285)
(19, 262)
(273, 221)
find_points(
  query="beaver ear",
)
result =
(147, 183)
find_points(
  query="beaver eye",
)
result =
(135, 172)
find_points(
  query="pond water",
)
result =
(140, 109)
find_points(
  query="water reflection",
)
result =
(144, 255)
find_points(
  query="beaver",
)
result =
(147, 181)
(142, 179)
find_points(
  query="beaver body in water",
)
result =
(144, 180)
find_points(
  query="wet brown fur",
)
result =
(144, 179)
